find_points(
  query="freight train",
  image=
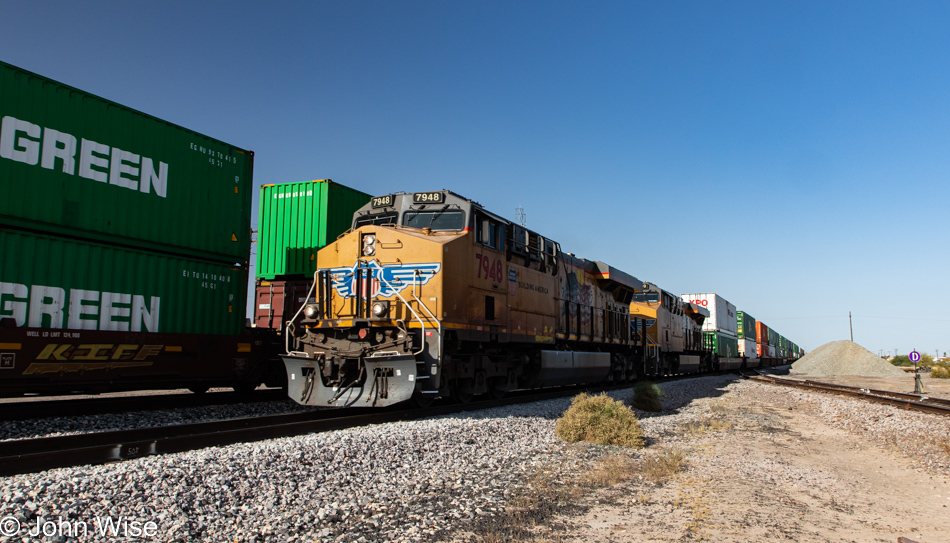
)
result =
(430, 295)
(124, 250)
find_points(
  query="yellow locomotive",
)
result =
(671, 330)
(431, 295)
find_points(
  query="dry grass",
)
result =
(542, 496)
(610, 470)
(940, 373)
(600, 420)
(659, 468)
(647, 396)
(711, 424)
(522, 521)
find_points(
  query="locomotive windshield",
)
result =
(646, 297)
(388, 217)
(436, 220)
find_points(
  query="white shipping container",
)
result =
(722, 314)
(747, 348)
(772, 351)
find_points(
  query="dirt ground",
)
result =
(766, 471)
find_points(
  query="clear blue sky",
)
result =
(791, 156)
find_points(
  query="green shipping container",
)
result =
(75, 164)
(722, 344)
(49, 282)
(298, 219)
(745, 325)
(773, 337)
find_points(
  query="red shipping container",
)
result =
(761, 332)
(276, 302)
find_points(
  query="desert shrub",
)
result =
(660, 467)
(904, 360)
(647, 396)
(940, 373)
(601, 420)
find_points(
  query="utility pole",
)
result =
(850, 327)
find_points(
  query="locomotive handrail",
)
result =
(409, 307)
(438, 323)
(290, 323)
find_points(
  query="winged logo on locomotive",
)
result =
(388, 280)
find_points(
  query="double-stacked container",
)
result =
(720, 330)
(116, 226)
(296, 220)
(745, 328)
(762, 339)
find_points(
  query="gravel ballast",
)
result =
(390, 482)
(843, 358)
(407, 481)
(61, 426)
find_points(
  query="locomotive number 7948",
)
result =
(489, 267)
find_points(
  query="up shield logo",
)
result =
(387, 280)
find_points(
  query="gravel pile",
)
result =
(407, 481)
(843, 358)
(59, 426)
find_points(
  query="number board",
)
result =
(428, 197)
(383, 201)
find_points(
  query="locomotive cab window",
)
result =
(437, 220)
(489, 232)
(646, 297)
(388, 217)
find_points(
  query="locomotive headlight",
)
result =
(380, 309)
(369, 245)
(311, 310)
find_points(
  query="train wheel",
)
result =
(462, 390)
(423, 400)
(497, 387)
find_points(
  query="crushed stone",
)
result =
(843, 358)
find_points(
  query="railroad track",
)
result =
(39, 454)
(32, 455)
(917, 402)
(40, 409)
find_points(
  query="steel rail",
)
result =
(39, 409)
(899, 395)
(40, 454)
(33, 455)
(919, 403)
